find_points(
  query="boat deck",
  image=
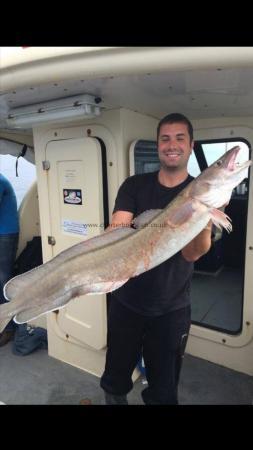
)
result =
(38, 379)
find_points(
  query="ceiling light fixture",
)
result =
(61, 110)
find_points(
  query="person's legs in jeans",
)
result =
(8, 250)
(163, 350)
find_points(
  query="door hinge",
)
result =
(51, 240)
(46, 165)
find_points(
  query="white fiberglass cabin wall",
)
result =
(83, 160)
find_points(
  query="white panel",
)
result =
(76, 214)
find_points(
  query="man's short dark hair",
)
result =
(176, 118)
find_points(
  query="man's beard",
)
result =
(168, 168)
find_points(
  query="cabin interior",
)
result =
(89, 152)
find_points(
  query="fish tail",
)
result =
(4, 316)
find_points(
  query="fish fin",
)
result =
(180, 215)
(5, 316)
(53, 302)
(105, 287)
(17, 284)
(145, 217)
(27, 315)
(220, 219)
(36, 311)
(33, 313)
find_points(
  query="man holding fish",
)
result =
(150, 314)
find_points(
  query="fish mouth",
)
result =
(230, 158)
(229, 161)
(239, 167)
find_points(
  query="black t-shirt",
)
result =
(166, 287)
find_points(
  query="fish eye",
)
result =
(218, 163)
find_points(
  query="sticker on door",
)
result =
(69, 226)
(72, 196)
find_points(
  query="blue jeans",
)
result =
(8, 250)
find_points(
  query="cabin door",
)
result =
(75, 187)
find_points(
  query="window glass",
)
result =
(193, 167)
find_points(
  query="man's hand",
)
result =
(120, 219)
(199, 246)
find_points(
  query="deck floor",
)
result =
(38, 379)
(217, 300)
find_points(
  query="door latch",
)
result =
(46, 165)
(51, 240)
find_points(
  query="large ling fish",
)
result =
(104, 263)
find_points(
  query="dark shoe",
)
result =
(6, 336)
(111, 399)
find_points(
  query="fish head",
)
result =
(215, 184)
